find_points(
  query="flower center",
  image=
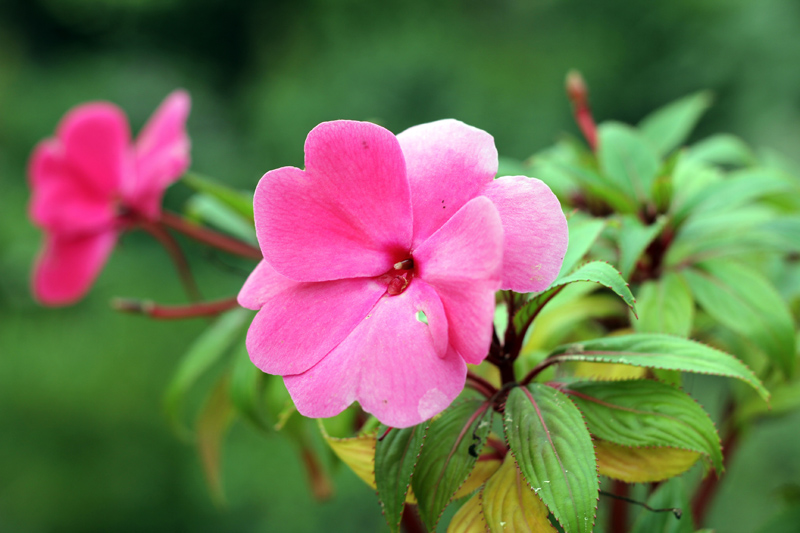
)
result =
(399, 276)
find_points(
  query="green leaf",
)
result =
(665, 306)
(451, 449)
(509, 504)
(596, 271)
(395, 458)
(646, 413)
(239, 201)
(659, 351)
(554, 452)
(669, 127)
(206, 350)
(247, 389)
(671, 494)
(744, 301)
(740, 188)
(208, 209)
(212, 425)
(627, 160)
(634, 238)
(582, 235)
(723, 149)
(596, 185)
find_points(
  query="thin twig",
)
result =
(178, 258)
(173, 312)
(678, 512)
(209, 237)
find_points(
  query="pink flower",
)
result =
(90, 182)
(381, 262)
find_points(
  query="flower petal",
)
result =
(67, 266)
(462, 261)
(61, 199)
(392, 363)
(96, 145)
(348, 215)
(448, 164)
(535, 232)
(262, 285)
(162, 153)
(299, 325)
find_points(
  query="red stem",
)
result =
(210, 237)
(176, 254)
(709, 486)
(618, 518)
(173, 312)
(578, 94)
(411, 521)
(481, 385)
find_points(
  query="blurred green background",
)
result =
(84, 445)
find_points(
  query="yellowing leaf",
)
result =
(483, 470)
(358, 453)
(469, 519)
(212, 425)
(606, 371)
(642, 465)
(510, 505)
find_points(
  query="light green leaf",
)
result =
(247, 389)
(723, 149)
(206, 350)
(669, 127)
(659, 351)
(634, 238)
(739, 189)
(671, 494)
(451, 449)
(744, 301)
(208, 209)
(212, 425)
(554, 452)
(395, 458)
(646, 413)
(665, 306)
(239, 201)
(627, 160)
(596, 271)
(582, 234)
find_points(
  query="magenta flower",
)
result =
(381, 261)
(90, 182)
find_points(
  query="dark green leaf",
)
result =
(451, 449)
(634, 238)
(744, 301)
(665, 306)
(647, 413)
(241, 202)
(247, 389)
(395, 458)
(596, 271)
(627, 160)
(206, 350)
(582, 234)
(659, 351)
(671, 494)
(554, 451)
(669, 127)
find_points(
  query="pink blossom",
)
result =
(90, 182)
(381, 262)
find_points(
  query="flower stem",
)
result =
(178, 258)
(578, 94)
(481, 385)
(173, 312)
(209, 237)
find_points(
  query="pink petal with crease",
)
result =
(61, 199)
(535, 229)
(448, 163)
(392, 364)
(95, 140)
(299, 325)
(462, 261)
(67, 266)
(347, 215)
(262, 284)
(162, 153)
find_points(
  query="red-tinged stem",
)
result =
(209, 237)
(321, 486)
(618, 517)
(521, 337)
(709, 486)
(578, 94)
(178, 258)
(481, 385)
(411, 521)
(535, 371)
(173, 312)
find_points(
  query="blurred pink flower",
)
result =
(90, 182)
(381, 261)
